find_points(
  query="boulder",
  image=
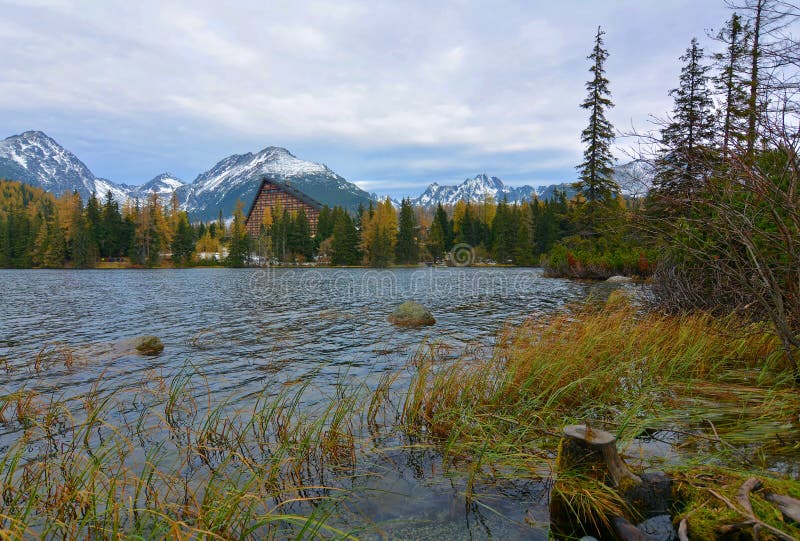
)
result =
(411, 314)
(149, 345)
(619, 279)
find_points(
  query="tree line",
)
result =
(381, 235)
(38, 229)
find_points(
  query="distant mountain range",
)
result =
(483, 186)
(633, 177)
(36, 159)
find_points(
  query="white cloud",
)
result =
(490, 77)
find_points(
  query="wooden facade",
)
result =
(272, 194)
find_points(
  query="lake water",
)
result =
(251, 329)
(243, 327)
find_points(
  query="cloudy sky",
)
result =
(391, 95)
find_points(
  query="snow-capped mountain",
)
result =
(164, 185)
(36, 159)
(239, 176)
(478, 189)
(634, 179)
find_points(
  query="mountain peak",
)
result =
(475, 189)
(35, 158)
(277, 151)
(33, 134)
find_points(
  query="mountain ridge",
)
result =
(35, 158)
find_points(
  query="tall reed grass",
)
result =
(166, 462)
(609, 364)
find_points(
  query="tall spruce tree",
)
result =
(301, 241)
(684, 164)
(345, 239)
(406, 249)
(324, 224)
(731, 83)
(183, 240)
(596, 183)
(504, 233)
(440, 235)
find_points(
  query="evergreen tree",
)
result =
(407, 250)
(440, 235)
(301, 242)
(546, 233)
(83, 250)
(56, 253)
(522, 251)
(182, 245)
(345, 239)
(94, 226)
(113, 238)
(684, 165)
(504, 233)
(221, 232)
(324, 224)
(596, 184)
(41, 245)
(772, 64)
(731, 83)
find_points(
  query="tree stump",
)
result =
(588, 456)
(593, 450)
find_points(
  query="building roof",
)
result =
(287, 188)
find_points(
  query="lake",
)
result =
(251, 330)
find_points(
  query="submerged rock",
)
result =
(619, 279)
(659, 528)
(149, 345)
(411, 314)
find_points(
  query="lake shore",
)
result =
(705, 399)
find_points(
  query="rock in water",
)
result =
(411, 314)
(619, 279)
(149, 345)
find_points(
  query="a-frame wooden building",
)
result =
(272, 194)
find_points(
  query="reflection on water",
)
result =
(254, 329)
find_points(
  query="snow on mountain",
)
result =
(120, 192)
(238, 177)
(164, 185)
(634, 178)
(473, 189)
(34, 158)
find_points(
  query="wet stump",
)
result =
(596, 493)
